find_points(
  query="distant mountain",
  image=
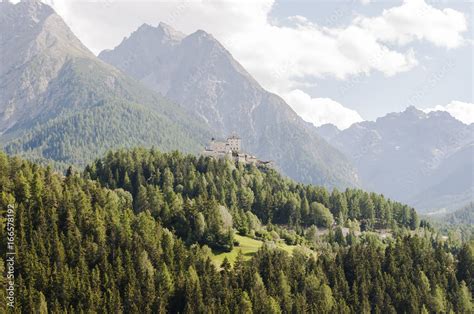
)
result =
(60, 102)
(424, 159)
(197, 72)
(328, 131)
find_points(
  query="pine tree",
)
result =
(258, 294)
(464, 303)
(245, 305)
(284, 291)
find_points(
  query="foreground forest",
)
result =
(136, 231)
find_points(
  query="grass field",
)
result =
(248, 246)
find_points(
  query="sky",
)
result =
(339, 61)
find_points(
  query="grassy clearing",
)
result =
(248, 246)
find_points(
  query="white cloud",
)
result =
(462, 111)
(274, 53)
(320, 111)
(417, 20)
(363, 49)
(282, 55)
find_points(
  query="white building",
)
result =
(232, 144)
(232, 148)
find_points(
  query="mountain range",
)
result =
(197, 72)
(62, 103)
(424, 159)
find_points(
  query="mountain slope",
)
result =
(63, 103)
(423, 159)
(35, 44)
(197, 72)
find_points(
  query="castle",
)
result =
(231, 148)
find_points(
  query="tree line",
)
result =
(99, 242)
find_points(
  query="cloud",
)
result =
(277, 53)
(283, 55)
(363, 49)
(320, 111)
(462, 111)
(417, 20)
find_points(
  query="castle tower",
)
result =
(234, 143)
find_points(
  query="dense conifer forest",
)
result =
(135, 232)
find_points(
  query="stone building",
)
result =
(232, 144)
(231, 148)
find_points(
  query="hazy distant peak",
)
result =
(144, 26)
(203, 40)
(441, 114)
(36, 5)
(200, 37)
(162, 32)
(32, 10)
(410, 113)
(170, 32)
(413, 110)
(201, 33)
(420, 114)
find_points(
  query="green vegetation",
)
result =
(247, 247)
(92, 108)
(458, 226)
(464, 215)
(251, 195)
(130, 235)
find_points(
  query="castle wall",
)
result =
(218, 146)
(234, 144)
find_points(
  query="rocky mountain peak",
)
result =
(413, 111)
(201, 37)
(35, 44)
(28, 13)
(425, 152)
(163, 33)
(442, 115)
(169, 32)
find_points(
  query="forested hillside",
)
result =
(458, 225)
(129, 235)
(464, 215)
(61, 104)
(179, 190)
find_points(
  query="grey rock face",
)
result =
(60, 102)
(415, 157)
(35, 44)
